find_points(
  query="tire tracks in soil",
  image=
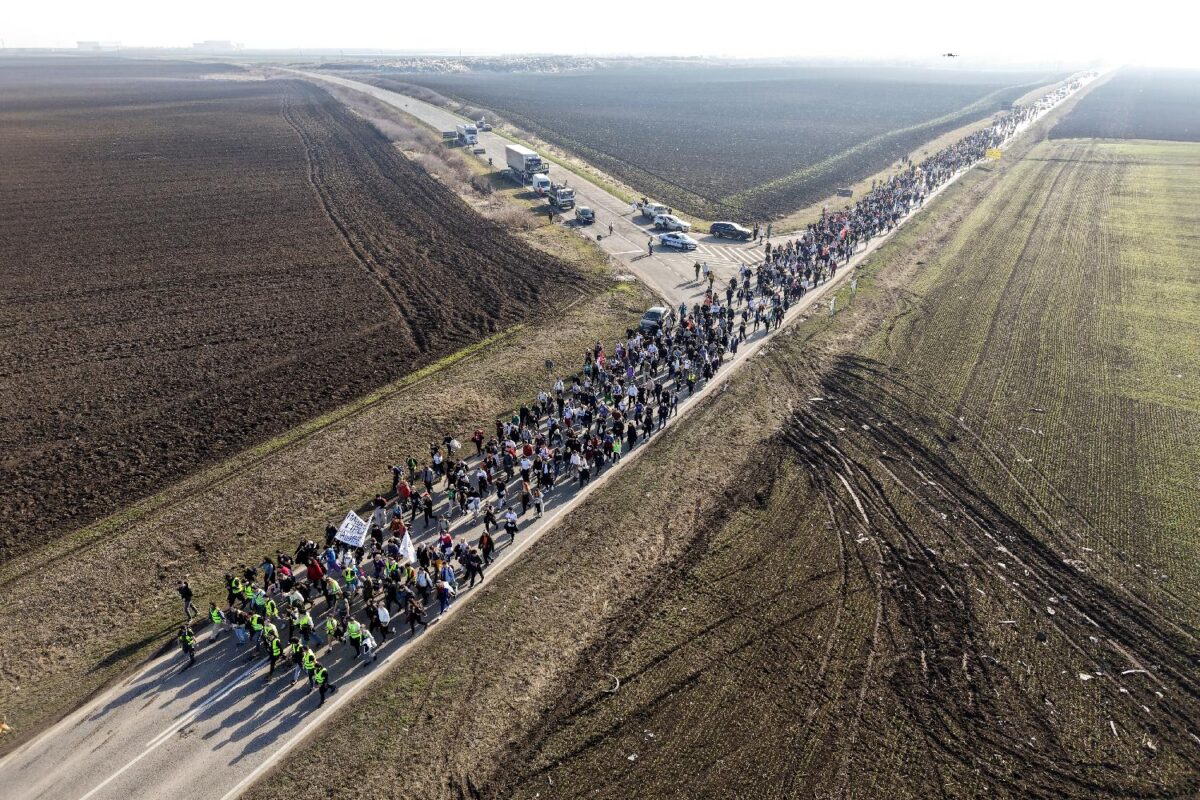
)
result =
(374, 270)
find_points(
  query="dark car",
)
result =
(730, 230)
(656, 319)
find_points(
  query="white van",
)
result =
(653, 210)
(540, 184)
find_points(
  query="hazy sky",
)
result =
(1047, 31)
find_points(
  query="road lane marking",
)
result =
(187, 719)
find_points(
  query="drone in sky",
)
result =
(949, 55)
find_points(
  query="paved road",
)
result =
(670, 272)
(206, 733)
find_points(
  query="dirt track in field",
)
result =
(207, 263)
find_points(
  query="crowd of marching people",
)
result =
(464, 502)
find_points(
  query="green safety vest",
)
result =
(305, 620)
(236, 585)
(294, 649)
(331, 626)
(333, 586)
(248, 591)
(272, 609)
(256, 622)
(319, 675)
(355, 630)
(275, 649)
(310, 660)
(215, 616)
(187, 639)
(271, 630)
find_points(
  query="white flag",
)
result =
(407, 550)
(353, 530)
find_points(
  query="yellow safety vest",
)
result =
(256, 622)
(310, 660)
(319, 675)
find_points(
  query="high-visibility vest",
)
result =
(331, 626)
(305, 621)
(215, 615)
(319, 675)
(271, 630)
(294, 649)
(248, 591)
(272, 609)
(236, 585)
(310, 660)
(354, 629)
(332, 586)
(256, 622)
(187, 639)
(275, 649)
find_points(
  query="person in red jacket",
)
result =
(315, 575)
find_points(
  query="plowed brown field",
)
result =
(191, 265)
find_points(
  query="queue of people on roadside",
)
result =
(328, 595)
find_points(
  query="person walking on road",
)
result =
(274, 653)
(187, 643)
(415, 613)
(474, 566)
(354, 635)
(295, 651)
(321, 679)
(486, 547)
(217, 619)
(309, 661)
(650, 247)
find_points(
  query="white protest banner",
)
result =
(407, 551)
(353, 530)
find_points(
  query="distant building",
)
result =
(98, 47)
(217, 46)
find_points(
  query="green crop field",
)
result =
(1072, 344)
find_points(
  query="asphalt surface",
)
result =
(208, 731)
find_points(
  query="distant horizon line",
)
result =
(234, 49)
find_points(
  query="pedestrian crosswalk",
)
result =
(729, 254)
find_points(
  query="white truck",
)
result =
(468, 134)
(524, 162)
(561, 197)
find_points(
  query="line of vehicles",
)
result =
(526, 167)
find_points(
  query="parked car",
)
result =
(730, 230)
(584, 215)
(652, 210)
(670, 222)
(680, 241)
(656, 319)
